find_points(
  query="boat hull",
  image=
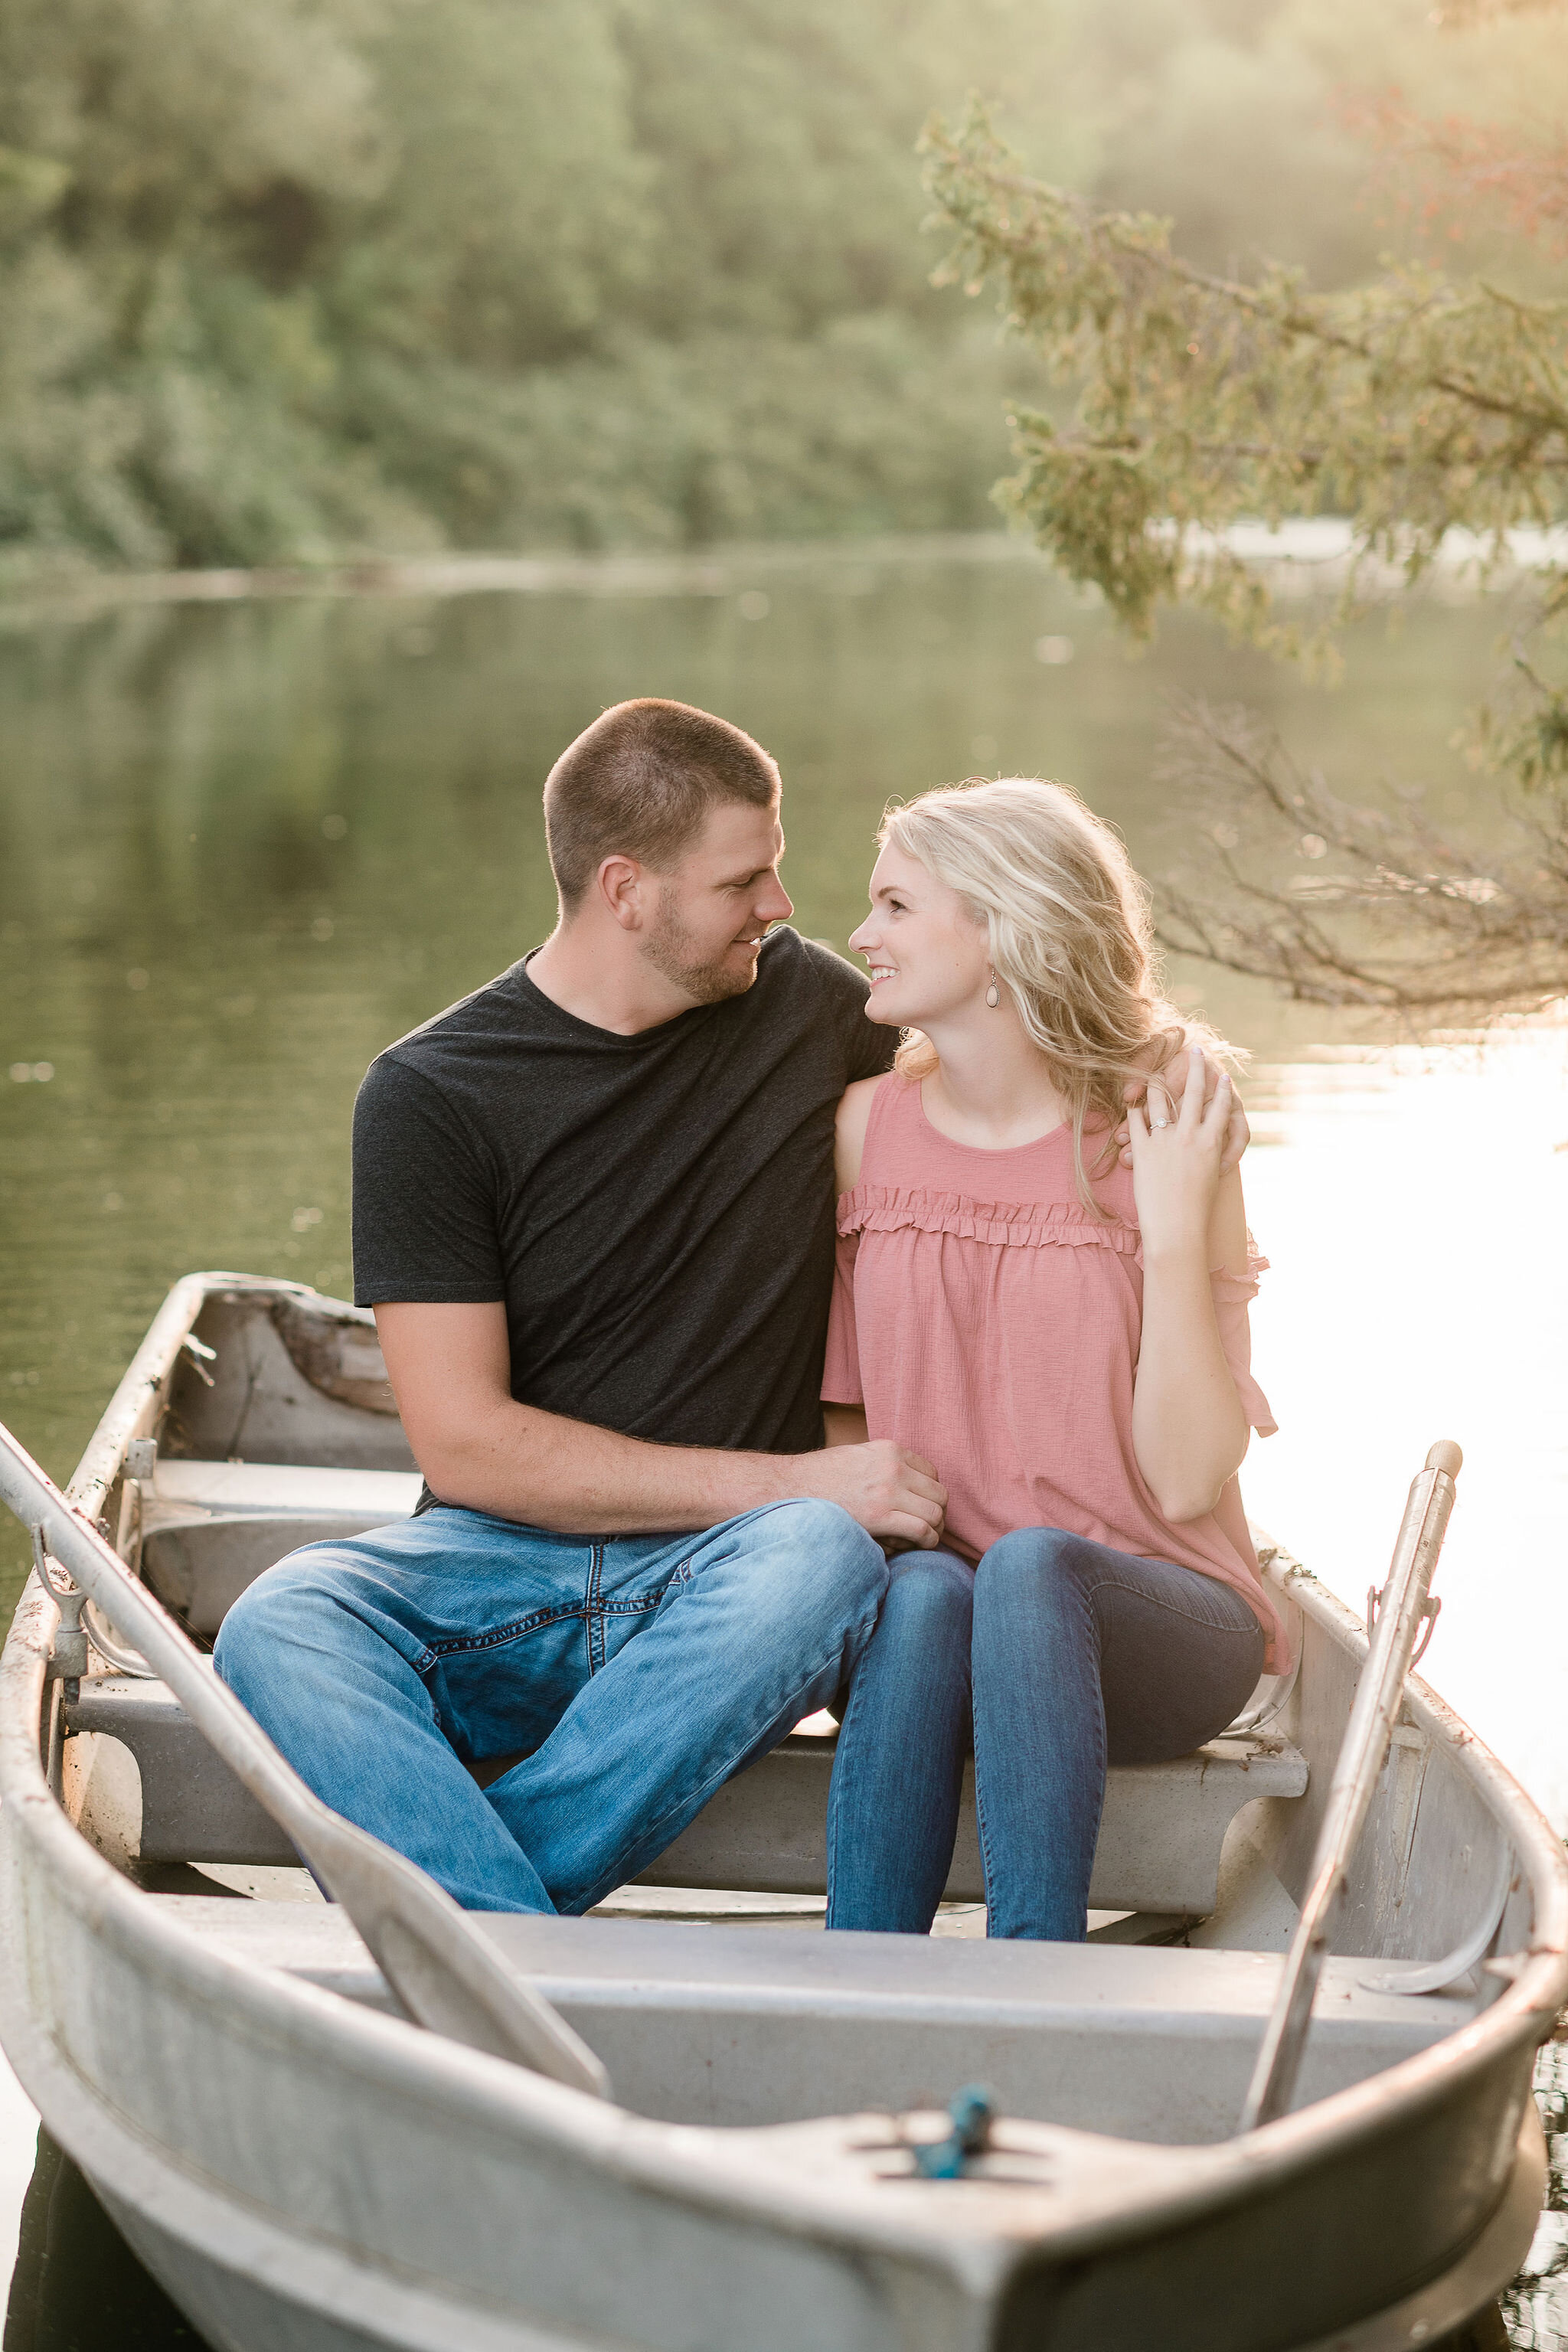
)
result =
(332, 2310)
(303, 2171)
(299, 2170)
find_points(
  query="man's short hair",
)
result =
(640, 783)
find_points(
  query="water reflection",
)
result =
(1535, 2308)
(242, 848)
(76, 2286)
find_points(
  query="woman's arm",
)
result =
(844, 1424)
(850, 1130)
(1189, 1431)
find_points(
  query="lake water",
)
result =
(243, 846)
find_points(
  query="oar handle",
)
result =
(443, 1969)
(1379, 1694)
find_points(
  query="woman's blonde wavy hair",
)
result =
(1071, 939)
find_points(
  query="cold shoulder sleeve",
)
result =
(841, 1369)
(1233, 1295)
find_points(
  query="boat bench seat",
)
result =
(209, 1529)
(766, 1832)
(736, 2025)
(1160, 1834)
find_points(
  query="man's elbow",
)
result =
(460, 1462)
(448, 1472)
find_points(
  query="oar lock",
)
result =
(1430, 1608)
(67, 1661)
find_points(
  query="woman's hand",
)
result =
(1179, 1152)
(1173, 1078)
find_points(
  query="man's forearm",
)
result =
(483, 1451)
(546, 1471)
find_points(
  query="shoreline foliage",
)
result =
(287, 279)
(1417, 403)
(294, 280)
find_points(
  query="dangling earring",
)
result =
(992, 998)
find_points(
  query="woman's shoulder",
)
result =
(856, 1106)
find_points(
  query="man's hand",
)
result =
(1173, 1078)
(894, 1494)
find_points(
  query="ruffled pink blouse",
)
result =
(986, 1318)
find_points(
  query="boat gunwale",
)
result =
(699, 2161)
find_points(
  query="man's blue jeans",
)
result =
(634, 1672)
(1063, 1656)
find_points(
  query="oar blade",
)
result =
(443, 1968)
(486, 2007)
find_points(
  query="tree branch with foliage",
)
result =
(1415, 406)
(1385, 912)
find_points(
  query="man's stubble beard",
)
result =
(669, 947)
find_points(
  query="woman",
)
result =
(1066, 1340)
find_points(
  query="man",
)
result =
(593, 1214)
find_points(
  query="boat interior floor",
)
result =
(741, 2026)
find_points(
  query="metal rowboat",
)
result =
(307, 2169)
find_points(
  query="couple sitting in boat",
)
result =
(595, 1214)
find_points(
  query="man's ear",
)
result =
(623, 885)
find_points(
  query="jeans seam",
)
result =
(508, 1632)
(1161, 1601)
(854, 1683)
(594, 1612)
(981, 1834)
(432, 1653)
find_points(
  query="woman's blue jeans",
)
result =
(633, 1674)
(1058, 1656)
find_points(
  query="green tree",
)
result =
(1417, 404)
(162, 371)
(723, 327)
(290, 280)
(282, 279)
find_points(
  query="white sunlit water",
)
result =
(1414, 1206)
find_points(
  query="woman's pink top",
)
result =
(986, 1318)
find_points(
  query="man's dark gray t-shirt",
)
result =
(657, 1211)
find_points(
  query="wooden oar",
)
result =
(1379, 1693)
(442, 1968)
